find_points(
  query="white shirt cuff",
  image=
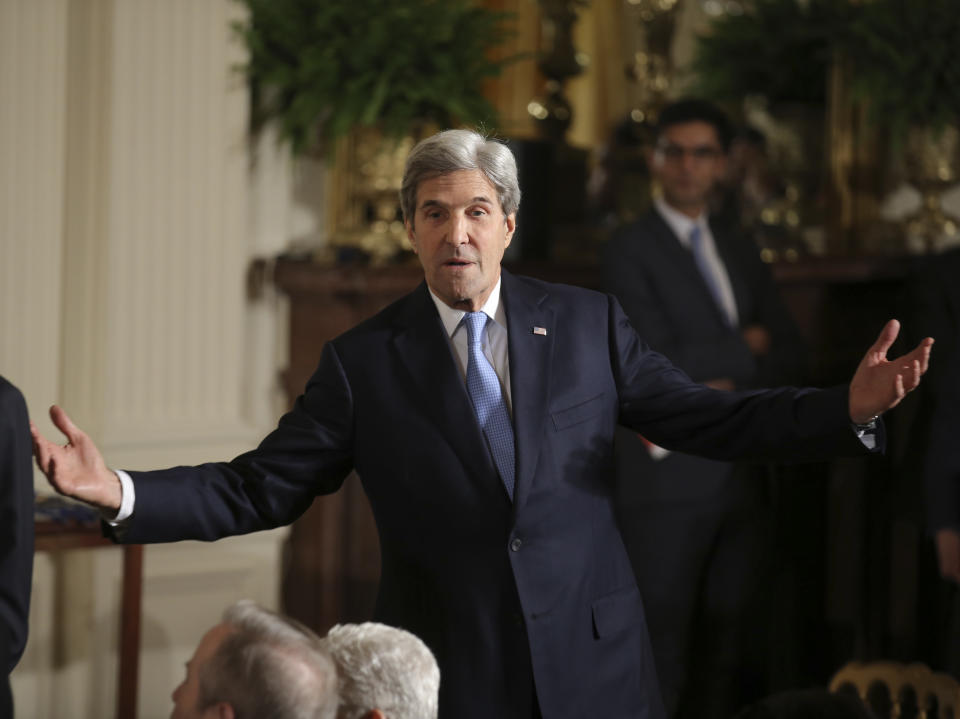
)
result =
(127, 497)
(866, 433)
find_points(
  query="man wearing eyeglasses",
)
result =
(698, 293)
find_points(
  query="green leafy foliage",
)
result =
(781, 49)
(906, 63)
(321, 67)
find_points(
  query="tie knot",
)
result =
(475, 322)
(695, 235)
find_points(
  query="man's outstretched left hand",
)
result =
(879, 383)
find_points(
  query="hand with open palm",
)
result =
(879, 383)
(76, 469)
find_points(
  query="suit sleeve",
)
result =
(16, 524)
(660, 402)
(308, 454)
(629, 273)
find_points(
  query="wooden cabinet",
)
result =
(332, 558)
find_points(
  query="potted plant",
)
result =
(359, 81)
(906, 69)
(778, 49)
(905, 64)
(320, 68)
(772, 64)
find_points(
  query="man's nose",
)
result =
(458, 233)
(688, 160)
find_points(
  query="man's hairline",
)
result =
(717, 135)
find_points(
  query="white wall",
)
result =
(128, 216)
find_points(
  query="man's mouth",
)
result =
(457, 263)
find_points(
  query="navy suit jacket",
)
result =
(659, 286)
(16, 533)
(537, 592)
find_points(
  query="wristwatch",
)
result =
(868, 426)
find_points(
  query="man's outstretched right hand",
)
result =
(76, 469)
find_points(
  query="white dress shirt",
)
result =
(495, 345)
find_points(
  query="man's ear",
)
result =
(375, 714)
(511, 222)
(411, 235)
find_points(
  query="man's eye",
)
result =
(478, 212)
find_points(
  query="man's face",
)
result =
(688, 160)
(186, 696)
(460, 233)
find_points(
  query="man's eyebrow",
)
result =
(437, 203)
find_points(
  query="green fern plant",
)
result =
(906, 66)
(780, 49)
(319, 68)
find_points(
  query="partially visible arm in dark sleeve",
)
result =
(660, 402)
(16, 524)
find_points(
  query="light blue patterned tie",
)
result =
(703, 264)
(488, 401)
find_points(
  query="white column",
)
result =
(125, 237)
(32, 101)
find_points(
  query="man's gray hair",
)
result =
(383, 668)
(453, 150)
(269, 666)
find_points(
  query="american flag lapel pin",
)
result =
(540, 331)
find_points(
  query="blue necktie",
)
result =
(706, 270)
(488, 402)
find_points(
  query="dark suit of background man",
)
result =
(693, 526)
(934, 302)
(16, 534)
(499, 545)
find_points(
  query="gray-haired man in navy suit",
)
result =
(479, 413)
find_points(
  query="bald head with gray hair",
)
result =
(453, 150)
(384, 672)
(268, 665)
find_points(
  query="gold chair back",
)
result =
(913, 690)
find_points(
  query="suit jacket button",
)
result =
(516, 544)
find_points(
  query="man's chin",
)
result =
(692, 203)
(458, 297)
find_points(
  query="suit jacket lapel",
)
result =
(682, 259)
(530, 363)
(424, 349)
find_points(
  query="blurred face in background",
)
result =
(687, 161)
(186, 697)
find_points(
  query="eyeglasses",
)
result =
(675, 153)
